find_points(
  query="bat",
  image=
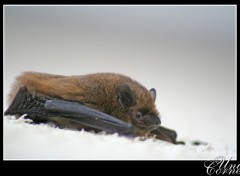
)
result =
(108, 102)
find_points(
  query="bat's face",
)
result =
(141, 109)
(145, 120)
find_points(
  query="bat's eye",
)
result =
(138, 115)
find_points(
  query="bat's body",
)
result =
(111, 94)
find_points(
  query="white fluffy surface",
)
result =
(26, 141)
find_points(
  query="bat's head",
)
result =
(139, 104)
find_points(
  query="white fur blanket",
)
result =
(26, 141)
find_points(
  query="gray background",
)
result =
(186, 52)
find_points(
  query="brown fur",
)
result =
(97, 91)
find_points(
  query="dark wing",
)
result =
(40, 108)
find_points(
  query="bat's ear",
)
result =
(153, 93)
(125, 95)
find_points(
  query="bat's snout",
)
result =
(158, 121)
(151, 121)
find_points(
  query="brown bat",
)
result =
(101, 102)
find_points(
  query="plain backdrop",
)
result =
(187, 53)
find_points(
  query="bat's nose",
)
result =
(158, 121)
